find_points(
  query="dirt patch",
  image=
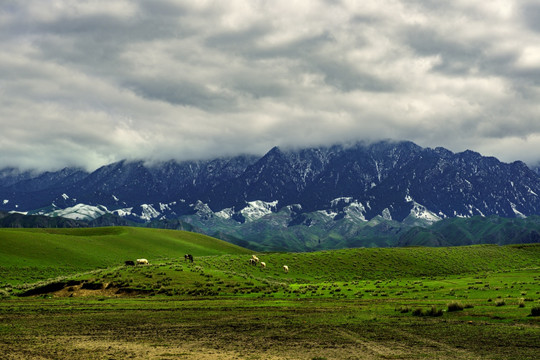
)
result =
(92, 348)
(50, 288)
(88, 347)
(96, 290)
(83, 289)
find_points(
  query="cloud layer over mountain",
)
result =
(88, 83)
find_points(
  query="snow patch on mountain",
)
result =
(386, 214)
(328, 213)
(80, 212)
(225, 213)
(125, 212)
(355, 211)
(340, 200)
(165, 207)
(202, 208)
(148, 212)
(517, 212)
(529, 190)
(5, 202)
(421, 212)
(257, 209)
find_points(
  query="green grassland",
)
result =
(470, 302)
(28, 255)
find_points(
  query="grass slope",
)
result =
(471, 302)
(35, 254)
(230, 274)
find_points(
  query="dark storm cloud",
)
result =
(86, 83)
(531, 15)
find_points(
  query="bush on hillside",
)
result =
(455, 306)
(4, 294)
(535, 311)
(433, 311)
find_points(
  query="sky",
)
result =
(87, 83)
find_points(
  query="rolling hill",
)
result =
(28, 255)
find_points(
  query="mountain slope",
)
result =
(308, 198)
(475, 230)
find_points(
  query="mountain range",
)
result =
(301, 199)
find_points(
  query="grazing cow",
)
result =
(263, 265)
(129, 263)
(252, 262)
(142, 262)
(255, 258)
(188, 257)
(285, 268)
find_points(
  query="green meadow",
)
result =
(29, 255)
(67, 294)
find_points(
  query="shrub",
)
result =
(417, 312)
(455, 306)
(433, 311)
(3, 294)
(535, 311)
(403, 309)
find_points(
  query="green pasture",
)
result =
(471, 302)
(193, 311)
(28, 255)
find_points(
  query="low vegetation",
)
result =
(30, 255)
(475, 302)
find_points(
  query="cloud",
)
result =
(87, 83)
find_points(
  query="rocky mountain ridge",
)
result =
(337, 189)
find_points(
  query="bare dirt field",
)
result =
(139, 328)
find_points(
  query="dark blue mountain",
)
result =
(389, 179)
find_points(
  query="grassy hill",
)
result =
(35, 254)
(467, 302)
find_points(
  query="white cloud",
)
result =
(92, 82)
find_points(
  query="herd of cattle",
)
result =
(188, 257)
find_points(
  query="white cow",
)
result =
(285, 268)
(255, 258)
(142, 262)
(263, 264)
